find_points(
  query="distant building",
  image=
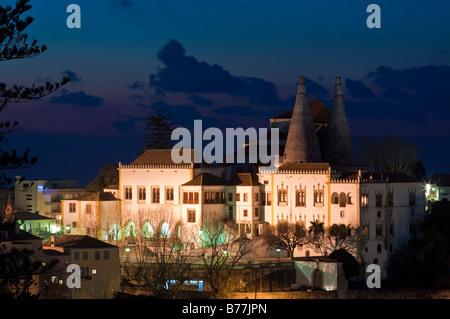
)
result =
(98, 261)
(44, 196)
(36, 224)
(438, 187)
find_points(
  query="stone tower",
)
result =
(338, 144)
(302, 144)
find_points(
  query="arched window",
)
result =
(350, 198)
(165, 230)
(342, 199)
(307, 254)
(147, 230)
(130, 230)
(335, 198)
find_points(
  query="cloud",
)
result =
(199, 100)
(239, 110)
(138, 85)
(423, 90)
(359, 90)
(73, 77)
(78, 98)
(186, 74)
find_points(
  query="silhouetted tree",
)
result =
(158, 131)
(14, 45)
(390, 154)
(108, 175)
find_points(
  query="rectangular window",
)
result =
(127, 190)
(282, 196)
(364, 201)
(412, 199)
(142, 193)
(88, 209)
(191, 215)
(230, 213)
(269, 199)
(190, 197)
(256, 197)
(76, 255)
(155, 194)
(300, 198)
(97, 255)
(245, 197)
(379, 200)
(72, 207)
(85, 255)
(169, 194)
(256, 212)
(238, 197)
(245, 213)
(106, 254)
(230, 197)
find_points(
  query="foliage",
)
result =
(107, 175)
(14, 45)
(286, 235)
(159, 131)
(390, 154)
(349, 263)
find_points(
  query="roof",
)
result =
(319, 112)
(77, 241)
(16, 234)
(304, 166)
(96, 197)
(161, 157)
(389, 178)
(25, 215)
(112, 187)
(441, 180)
(244, 179)
(205, 179)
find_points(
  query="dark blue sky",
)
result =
(232, 63)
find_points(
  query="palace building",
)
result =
(315, 182)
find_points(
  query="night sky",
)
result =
(231, 64)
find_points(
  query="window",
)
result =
(335, 198)
(142, 193)
(85, 255)
(238, 197)
(300, 198)
(169, 194)
(74, 225)
(191, 215)
(350, 198)
(245, 213)
(365, 231)
(379, 248)
(282, 196)
(230, 197)
(84, 271)
(155, 194)
(245, 197)
(128, 192)
(379, 200)
(106, 254)
(342, 200)
(190, 198)
(94, 271)
(412, 199)
(72, 207)
(256, 212)
(97, 255)
(379, 230)
(214, 197)
(230, 212)
(318, 197)
(269, 199)
(390, 198)
(88, 209)
(364, 201)
(256, 197)
(76, 255)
